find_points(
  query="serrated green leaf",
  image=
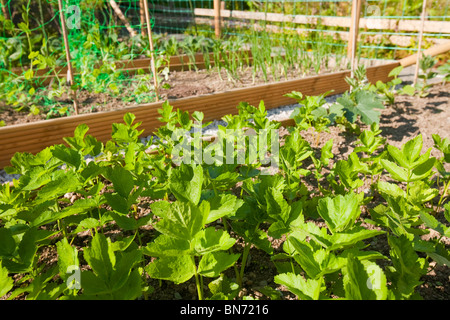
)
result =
(182, 221)
(305, 289)
(117, 202)
(100, 256)
(214, 263)
(433, 223)
(364, 280)
(408, 267)
(123, 267)
(391, 189)
(122, 180)
(210, 240)
(305, 257)
(423, 170)
(396, 172)
(224, 287)
(223, 205)
(8, 244)
(67, 258)
(176, 269)
(339, 212)
(67, 155)
(62, 183)
(28, 246)
(166, 246)
(186, 183)
(6, 283)
(351, 237)
(277, 206)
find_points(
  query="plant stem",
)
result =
(197, 281)
(244, 262)
(444, 193)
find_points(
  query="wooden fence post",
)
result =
(419, 49)
(142, 16)
(69, 63)
(217, 23)
(353, 33)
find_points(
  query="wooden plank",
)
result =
(35, 136)
(345, 22)
(433, 51)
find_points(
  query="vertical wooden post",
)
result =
(69, 63)
(152, 52)
(142, 16)
(353, 34)
(217, 26)
(419, 49)
(5, 10)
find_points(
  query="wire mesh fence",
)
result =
(104, 33)
(389, 30)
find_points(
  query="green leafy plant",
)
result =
(184, 235)
(445, 71)
(360, 103)
(426, 63)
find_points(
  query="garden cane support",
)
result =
(69, 63)
(152, 52)
(419, 49)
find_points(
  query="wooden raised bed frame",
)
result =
(35, 136)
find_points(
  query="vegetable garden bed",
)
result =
(38, 134)
(289, 229)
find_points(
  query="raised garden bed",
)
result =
(399, 124)
(32, 137)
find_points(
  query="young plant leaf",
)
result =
(186, 183)
(6, 283)
(304, 289)
(214, 263)
(364, 280)
(176, 269)
(339, 212)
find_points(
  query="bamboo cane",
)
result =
(119, 13)
(69, 63)
(433, 51)
(5, 10)
(217, 21)
(353, 37)
(419, 49)
(152, 53)
(142, 16)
